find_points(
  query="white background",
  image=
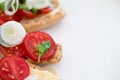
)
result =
(90, 36)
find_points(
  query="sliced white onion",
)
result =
(13, 7)
(12, 33)
(4, 43)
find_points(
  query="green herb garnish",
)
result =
(42, 48)
(2, 6)
(22, 1)
(34, 10)
(22, 6)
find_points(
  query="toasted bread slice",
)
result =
(55, 59)
(38, 73)
(43, 21)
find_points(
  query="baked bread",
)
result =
(43, 21)
(57, 57)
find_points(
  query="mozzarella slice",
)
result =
(12, 33)
(36, 74)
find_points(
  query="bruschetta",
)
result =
(32, 14)
(37, 47)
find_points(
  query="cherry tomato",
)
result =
(13, 68)
(45, 10)
(33, 39)
(17, 51)
(26, 14)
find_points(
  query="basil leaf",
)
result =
(46, 45)
(22, 6)
(2, 6)
(22, 1)
(43, 48)
(34, 10)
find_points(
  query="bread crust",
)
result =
(34, 66)
(43, 21)
(57, 57)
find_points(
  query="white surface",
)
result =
(90, 36)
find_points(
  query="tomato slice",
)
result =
(33, 39)
(45, 10)
(17, 51)
(26, 14)
(13, 68)
(17, 16)
(2, 21)
(5, 17)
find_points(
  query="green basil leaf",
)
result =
(22, 6)
(22, 1)
(43, 48)
(34, 10)
(2, 6)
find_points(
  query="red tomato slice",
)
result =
(13, 68)
(2, 21)
(26, 14)
(5, 17)
(45, 10)
(17, 51)
(32, 40)
(17, 16)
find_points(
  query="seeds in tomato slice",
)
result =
(13, 68)
(33, 39)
